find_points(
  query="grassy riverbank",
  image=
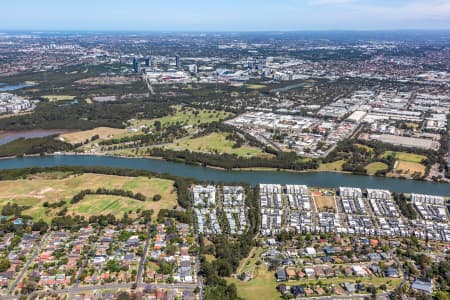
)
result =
(41, 190)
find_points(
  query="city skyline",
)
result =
(249, 15)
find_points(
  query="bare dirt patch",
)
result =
(324, 203)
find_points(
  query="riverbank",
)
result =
(260, 169)
(322, 179)
(251, 169)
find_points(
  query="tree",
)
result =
(124, 296)
(442, 296)
(171, 250)
(113, 266)
(4, 264)
(40, 226)
(157, 125)
(165, 268)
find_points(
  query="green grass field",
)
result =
(407, 163)
(263, 283)
(333, 166)
(375, 167)
(187, 116)
(37, 189)
(405, 156)
(255, 86)
(55, 98)
(104, 204)
(184, 116)
(215, 143)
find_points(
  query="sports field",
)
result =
(255, 86)
(333, 166)
(407, 163)
(405, 156)
(406, 167)
(375, 167)
(55, 98)
(36, 190)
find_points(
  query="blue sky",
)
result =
(233, 15)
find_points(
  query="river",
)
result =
(315, 179)
(9, 136)
(14, 87)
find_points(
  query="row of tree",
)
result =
(288, 161)
(406, 208)
(102, 191)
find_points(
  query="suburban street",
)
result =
(36, 251)
(142, 261)
(82, 289)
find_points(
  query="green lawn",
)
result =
(184, 116)
(215, 143)
(264, 283)
(49, 187)
(375, 167)
(405, 156)
(333, 166)
(54, 98)
(188, 116)
(255, 86)
(105, 204)
(250, 263)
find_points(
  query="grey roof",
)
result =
(423, 285)
(281, 274)
(350, 287)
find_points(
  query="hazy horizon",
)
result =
(232, 15)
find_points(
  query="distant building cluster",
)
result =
(414, 120)
(306, 136)
(13, 104)
(345, 106)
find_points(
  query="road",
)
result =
(35, 253)
(149, 86)
(82, 289)
(353, 296)
(76, 289)
(142, 261)
(84, 263)
(199, 279)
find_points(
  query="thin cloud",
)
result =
(427, 11)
